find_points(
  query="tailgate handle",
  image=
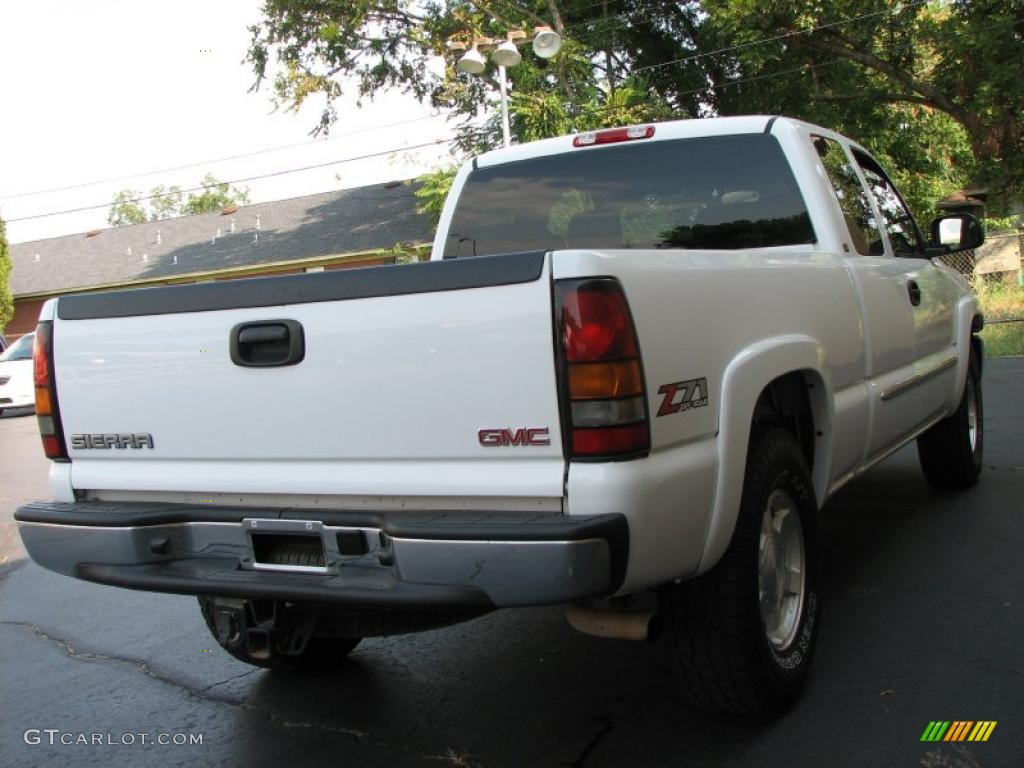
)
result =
(267, 344)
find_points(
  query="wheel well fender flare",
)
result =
(745, 378)
(968, 317)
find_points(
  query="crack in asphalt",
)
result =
(452, 756)
(72, 652)
(230, 679)
(606, 727)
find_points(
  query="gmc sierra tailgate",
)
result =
(381, 385)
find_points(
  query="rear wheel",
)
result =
(743, 634)
(951, 451)
(272, 635)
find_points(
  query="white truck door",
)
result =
(882, 283)
(932, 294)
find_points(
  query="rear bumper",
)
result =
(433, 560)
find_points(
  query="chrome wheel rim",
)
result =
(781, 573)
(972, 415)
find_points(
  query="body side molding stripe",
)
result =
(918, 378)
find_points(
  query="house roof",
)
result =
(343, 222)
(964, 198)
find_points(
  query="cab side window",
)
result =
(853, 200)
(896, 218)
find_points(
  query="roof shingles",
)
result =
(347, 221)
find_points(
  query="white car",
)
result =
(16, 389)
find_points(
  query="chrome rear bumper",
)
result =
(399, 560)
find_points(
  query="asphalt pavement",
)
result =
(923, 621)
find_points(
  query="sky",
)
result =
(103, 89)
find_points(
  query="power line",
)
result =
(598, 22)
(776, 38)
(807, 67)
(446, 141)
(730, 83)
(382, 153)
(254, 153)
(961, 33)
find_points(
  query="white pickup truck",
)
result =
(637, 364)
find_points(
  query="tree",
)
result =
(6, 301)
(389, 44)
(935, 86)
(126, 209)
(168, 202)
(165, 203)
(215, 196)
(433, 190)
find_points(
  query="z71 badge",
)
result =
(683, 395)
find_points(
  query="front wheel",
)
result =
(951, 451)
(743, 634)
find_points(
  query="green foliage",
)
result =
(433, 191)
(168, 202)
(572, 203)
(1002, 301)
(1003, 223)
(6, 302)
(404, 253)
(1004, 340)
(933, 88)
(126, 208)
(215, 196)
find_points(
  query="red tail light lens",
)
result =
(603, 388)
(47, 411)
(606, 441)
(597, 324)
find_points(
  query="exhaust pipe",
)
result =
(614, 624)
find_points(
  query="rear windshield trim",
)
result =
(337, 285)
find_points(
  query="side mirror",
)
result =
(959, 232)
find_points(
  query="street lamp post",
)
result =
(546, 43)
(506, 128)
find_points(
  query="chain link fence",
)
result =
(1000, 255)
(962, 261)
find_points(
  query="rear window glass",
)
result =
(722, 192)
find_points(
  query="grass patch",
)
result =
(1002, 301)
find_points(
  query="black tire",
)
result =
(715, 630)
(321, 653)
(950, 459)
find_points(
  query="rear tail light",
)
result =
(602, 375)
(47, 412)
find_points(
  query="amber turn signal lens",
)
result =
(598, 381)
(43, 405)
